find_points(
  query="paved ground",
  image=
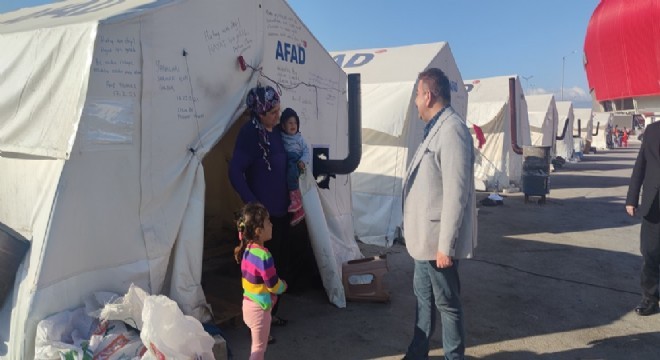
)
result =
(553, 281)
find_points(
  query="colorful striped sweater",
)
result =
(260, 281)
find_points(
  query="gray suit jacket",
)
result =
(439, 209)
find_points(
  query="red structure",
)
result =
(622, 49)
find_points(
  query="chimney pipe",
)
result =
(563, 133)
(512, 110)
(326, 167)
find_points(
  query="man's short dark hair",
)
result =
(437, 82)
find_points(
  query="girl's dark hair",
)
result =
(251, 217)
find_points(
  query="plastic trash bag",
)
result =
(127, 308)
(108, 328)
(64, 335)
(168, 334)
(113, 340)
(73, 335)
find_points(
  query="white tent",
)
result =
(498, 165)
(542, 112)
(108, 111)
(586, 121)
(391, 128)
(601, 120)
(565, 145)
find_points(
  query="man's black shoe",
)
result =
(646, 307)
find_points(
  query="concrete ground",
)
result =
(553, 281)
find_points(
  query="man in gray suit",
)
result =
(439, 216)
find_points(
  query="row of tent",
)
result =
(118, 120)
(494, 107)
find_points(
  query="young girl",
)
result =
(297, 154)
(261, 285)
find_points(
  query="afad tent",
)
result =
(565, 141)
(110, 112)
(391, 128)
(499, 161)
(583, 126)
(542, 112)
(601, 121)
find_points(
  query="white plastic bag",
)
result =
(64, 333)
(112, 340)
(127, 308)
(168, 334)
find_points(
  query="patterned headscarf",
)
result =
(261, 100)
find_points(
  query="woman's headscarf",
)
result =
(261, 100)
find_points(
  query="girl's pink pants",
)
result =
(258, 321)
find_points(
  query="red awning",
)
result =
(622, 49)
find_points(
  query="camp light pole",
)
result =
(563, 65)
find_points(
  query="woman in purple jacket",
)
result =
(257, 172)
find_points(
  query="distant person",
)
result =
(439, 216)
(624, 138)
(615, 136)
(646, 173)
(297, 153)
(261, 285)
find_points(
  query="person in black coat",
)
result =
(646, 174)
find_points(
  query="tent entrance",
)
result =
(221, 276)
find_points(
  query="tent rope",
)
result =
(279, 85)
(289, 87)
(192, 97)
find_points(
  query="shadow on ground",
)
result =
(643, 346)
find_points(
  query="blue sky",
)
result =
(487, 37)
(530, 38)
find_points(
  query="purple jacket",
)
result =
(249, 174)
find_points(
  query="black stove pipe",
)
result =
(327, 167)
(512, 110)
(563, 133)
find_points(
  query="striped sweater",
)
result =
(260, 281)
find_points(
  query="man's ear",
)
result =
(428, 99)
(258, 231)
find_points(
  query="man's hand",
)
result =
(301, 165)
(442, 261)
(630, 210)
